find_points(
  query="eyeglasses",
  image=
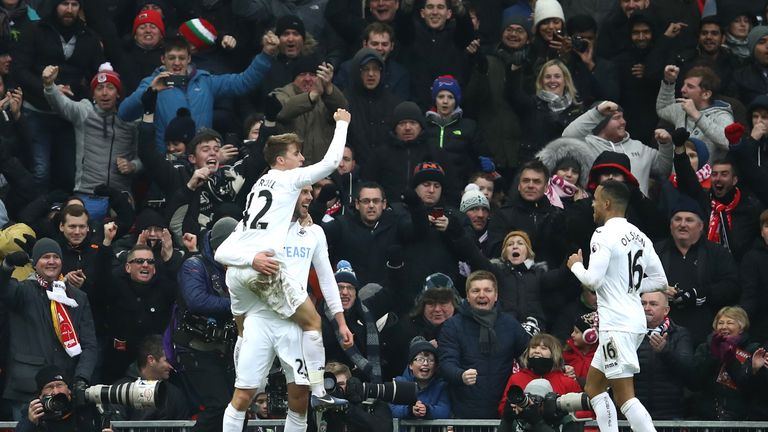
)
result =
(366, 201)
(141, 261)
(424, 360)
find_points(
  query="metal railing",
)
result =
(447, 425)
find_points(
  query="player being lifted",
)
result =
(262, 234)
(622, 265)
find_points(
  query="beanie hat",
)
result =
(305, 64)
(345, 274)
(407, 111)
(446, 82)
(181, 128)
(526, 239)
(290, 22)
(419, 345)
(581, 23)
(608, 160)
(200, 33)
(701, 151)
(149, 217)
(48, 374)
(604, 122)
(44, 246)
(221, 230)
(754, 36)
(150, 16)
(438, 280)
(685, 203)
(522, 21)
(539, 387)
(473, 198)
(546, 9)
(106, 74)
(568, 162)
(584, 322)
(760, 101)
(427, 171)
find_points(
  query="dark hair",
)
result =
(709, 79)
(378, 28)
(536, 165)
(370, 185)
(712, 19)
(581, 23)
(74, 210)
(251, 120)
(151, 345)
(617, 192)
(277, 145)
(726, 161)
(202, 136)
(175, 43)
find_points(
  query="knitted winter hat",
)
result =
(427, 171)
(526, 239)
(754, 36)
(522, 21)
(685, 203)
(49, 374)
(221, 230)
(344, 273)
(181, 128)
(473, 198)
(438, 280)
(419, 345)
(290, 22)
(568, 162)
(701, 151)
(200, 33)
(407, 111)
(446, 82)
(611, 160)
(149, 218)
(150, 16)
(106, 74)
(305, 64)
(546, 9)
(44, 246)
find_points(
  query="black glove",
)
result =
(78, 392)
(149, 100)
(327, 193)
(395, 255)
(103, 190)
(16, 259)
(272, 108)
(680, 136)
(411, 199)
(27, 244)
(354, 391)
(688, 297)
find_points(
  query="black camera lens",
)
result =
(517, 396)
(55, 403)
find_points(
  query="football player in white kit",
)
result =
(622, 265)
(259, 290)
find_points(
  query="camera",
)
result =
(579, 44)
(277, 390)
(176, 80)
(138, 394)
(540, 404)
(208, 329)
(55, 405)
(396, 392)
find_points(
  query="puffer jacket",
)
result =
(434, 396)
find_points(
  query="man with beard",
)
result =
(710, 52)
(612, 40)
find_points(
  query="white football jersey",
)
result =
(270, 206)
(622, 265)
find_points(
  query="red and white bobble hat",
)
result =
(106, 74)
(199, 33)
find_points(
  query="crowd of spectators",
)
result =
(131, 132)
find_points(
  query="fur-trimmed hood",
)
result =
(569, 147)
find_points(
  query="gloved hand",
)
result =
(734, 132)
(680, 136)
(410, 198)
(103, 190)
(149, 100)
(16, 259)
(531, 326)
(688, 297)
(723, 347)
(327, 193)
(78, 392)
(272, 108)
(486, 164)
(27, 244)
(354, 393)
(395, 255)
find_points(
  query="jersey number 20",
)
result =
(255, 224)
(635, 271)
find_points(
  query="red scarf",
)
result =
(715, 221)
(62, 322)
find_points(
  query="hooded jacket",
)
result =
(644, 159)
(710, 127)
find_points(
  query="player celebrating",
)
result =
(622, 265)
(268, 291)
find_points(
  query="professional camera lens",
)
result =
(136, 394)
(397, 392)
(517, 396)
(56, 403)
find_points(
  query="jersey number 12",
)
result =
(635, 271)
(255, 224)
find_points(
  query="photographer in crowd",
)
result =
(54, 409)
(363, 415)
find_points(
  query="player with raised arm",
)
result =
(622, 265)
(262, 288)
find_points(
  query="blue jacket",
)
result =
(196, 287)
(459, 349)
(434, 396)
(202, 88)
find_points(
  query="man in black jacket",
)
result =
(665, 357)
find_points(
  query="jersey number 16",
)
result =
(635, 271)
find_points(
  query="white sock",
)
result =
(236, 353)
(234, 420)
(295, 422)
(605, 410)
(314, 356)
(638, 417)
